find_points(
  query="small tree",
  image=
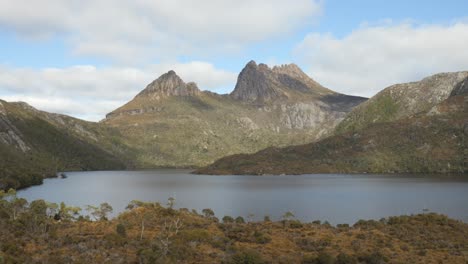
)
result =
(240, 220)
(228, 219)
(101, 212)
(171, 202)
(165, 238)
(288, 216)
(18, 206)
(68, 212)
(208, 213)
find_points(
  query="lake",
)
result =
(338, 198)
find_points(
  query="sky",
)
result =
(85, 58)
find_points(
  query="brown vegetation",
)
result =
(40, 232)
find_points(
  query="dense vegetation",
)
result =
(41, 232)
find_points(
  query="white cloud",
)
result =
(374, 57)
(139, 30)
(89, 92)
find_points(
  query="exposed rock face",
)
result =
(256, 83)
(169, 84)
(260, 84)
(9, 134)
(461, 88)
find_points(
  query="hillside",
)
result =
(151, 233)
(433, 141)
(401, 101)
(36, 144)
(172, 123)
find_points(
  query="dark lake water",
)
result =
(336, 198)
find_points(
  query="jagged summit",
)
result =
(260, 83)
(169, 84)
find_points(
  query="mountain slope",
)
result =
(36, 144)
(173, 123)
(402, 100)
(433, 141)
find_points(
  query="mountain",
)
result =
(172, 123)
(416, 136)
(402, 100)
(36, 144)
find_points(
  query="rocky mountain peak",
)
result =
(257, 83)
(260, 83)
(292, 70)
(169, 84)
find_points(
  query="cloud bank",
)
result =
(141, 30)
(373, 57)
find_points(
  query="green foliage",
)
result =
(228, 219)
(240, 220)
(121, 230)
(374, 258)
(288, 216)
(382, 108)
(99, 212)
(55, 144)
(246, 256)
(343, 258)
(208, 213)
(261, 238)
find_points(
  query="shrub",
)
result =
(261, 238)
(374, 258)
(228, 219)
(322, 258)
(240, 220)
(343, 258)
(121, 230)
(246, 256)
(295, 224)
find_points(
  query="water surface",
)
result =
(337, 198)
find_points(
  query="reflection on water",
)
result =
(336, 198)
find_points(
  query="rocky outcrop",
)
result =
(257, 83)
(169, 84)
(9, 134)
(262, 84)
(461, 88)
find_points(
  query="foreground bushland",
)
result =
(41, 232)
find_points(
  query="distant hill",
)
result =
(172, 123)
(36, 144)
(416, 128)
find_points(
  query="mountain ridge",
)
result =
(429, 141)
(276, 106)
